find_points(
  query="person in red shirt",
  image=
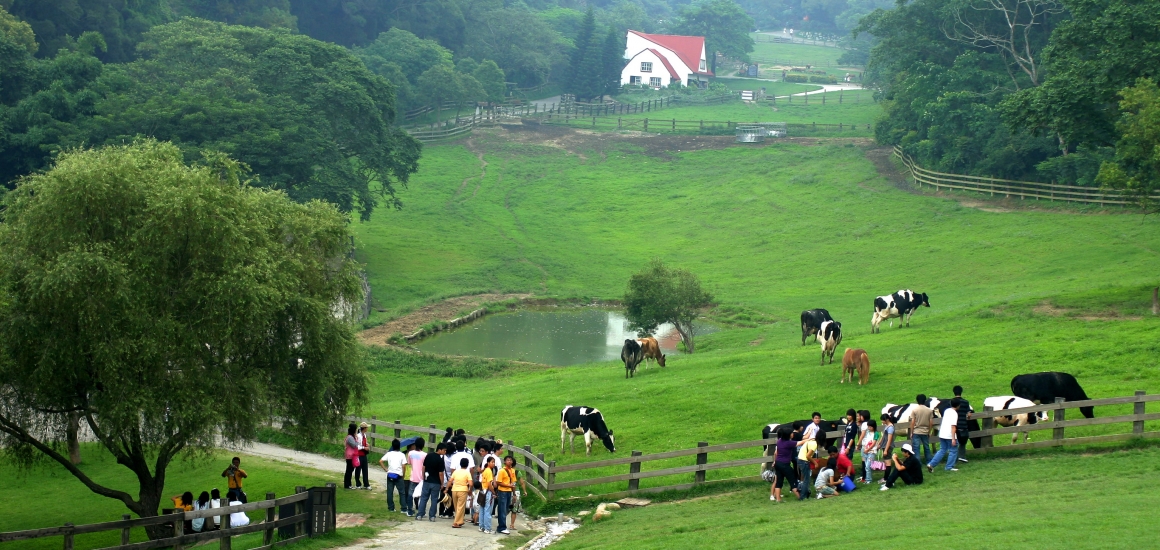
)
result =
(845, 465)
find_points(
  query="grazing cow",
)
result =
(812, 320)
(1006, 402)
(901, 304)
(769, 431)
(856, 360)
(899, 414)
(651, 349)
(938, 406)
(830, 335)
(632, 355)
(1044, 387)
(587, 422)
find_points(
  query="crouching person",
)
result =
(827, 483)
(909, 469)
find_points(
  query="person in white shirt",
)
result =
(392, 463)
(948, 441)
(215, 501)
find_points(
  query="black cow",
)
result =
(1044, 387)
(770, 430)
(587, 422)
(632, 355)
(939, 406)
(812, 320)
(900, 304)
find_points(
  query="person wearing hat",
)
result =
(364, 446)
(909, 469)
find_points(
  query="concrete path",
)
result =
(408, 534)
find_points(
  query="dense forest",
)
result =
(1054, 90)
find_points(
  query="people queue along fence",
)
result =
(546, 478)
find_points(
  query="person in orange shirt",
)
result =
(487, 486)
(460, 489)
(505, 485)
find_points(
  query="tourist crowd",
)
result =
(234, 475)
(797, 460)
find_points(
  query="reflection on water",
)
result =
(556, 337)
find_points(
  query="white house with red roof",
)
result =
(659, 59)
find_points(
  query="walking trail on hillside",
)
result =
(410, 533)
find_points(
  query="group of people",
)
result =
(797, 460)
(451, 482)
(234, 475)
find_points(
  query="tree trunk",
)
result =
(74, 444)
(686, 336)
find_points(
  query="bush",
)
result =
(797, 78)
(824, 79)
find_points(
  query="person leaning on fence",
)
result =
(392, 463)
(948, 440)
(909, 469)
(783, 465)
(962, 428)
(234, 475)
(921, 423)
(460, 489)
(505, 484)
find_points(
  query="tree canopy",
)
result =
(167, 304)
(724, 25)
(1136, 168)
(659, 294)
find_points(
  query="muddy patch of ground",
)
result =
(441, 311)
(1047, 308)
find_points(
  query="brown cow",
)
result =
(651, 350)
(856, 360)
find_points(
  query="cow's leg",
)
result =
(563, 434)
(588, 443)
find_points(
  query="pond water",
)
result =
(555, 337)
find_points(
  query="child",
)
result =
(827, 480)
(887, 444)
(869, 446)
(487, 483)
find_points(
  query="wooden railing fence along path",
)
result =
(313, 514)
(1010, 188)
(542, 474)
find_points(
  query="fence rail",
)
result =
(662, 125)
(543, 472)
(1009, 188)
(304, 524)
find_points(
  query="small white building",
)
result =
(659, 59)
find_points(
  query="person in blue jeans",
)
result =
(921, 423)
(433, 468)
(948, 439)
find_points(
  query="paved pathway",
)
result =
(408, 534)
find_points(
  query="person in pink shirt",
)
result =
(415, 458)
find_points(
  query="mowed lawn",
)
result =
(856, 107)
(796, 54)
(48, 496)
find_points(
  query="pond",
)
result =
(559, 337)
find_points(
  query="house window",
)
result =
(646, 66)
(634, 80)
(702, 65)
(655, 82)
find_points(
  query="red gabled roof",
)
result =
(688, 48)
(672, 72)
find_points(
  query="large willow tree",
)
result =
(166, 304)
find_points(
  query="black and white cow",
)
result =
(812, 320)
(587, 422)
(900, 304)
(938, 406)
(1044, 387)
(1006, 402)
(830, 334)
(632, 354)
(899, 413)
(769, 431)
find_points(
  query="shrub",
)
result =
(824, 79)
(796, 78)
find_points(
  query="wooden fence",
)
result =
(666, 125)
(1011, 188)
(543, 473)
(300, 522)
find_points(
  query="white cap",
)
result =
(906, 447)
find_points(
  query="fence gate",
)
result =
(750, 134)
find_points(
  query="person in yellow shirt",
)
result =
(505, 484)
(234, 476)
(487, 486)
(460, 489)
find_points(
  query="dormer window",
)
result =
(646, 66)
(702, 67)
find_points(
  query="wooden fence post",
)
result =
(702, 459)
(398, 432)
(431, 441)
(551, 480)
(68, 537)
(125, 530)
(646, 124)
(527, 460)
(269, 536)
(299, 509)
(224, 542)
(1138, 410)
(539, 468)
(634, 468)
(617, 123)
(178, 530)
(1060, 415)
(988, 423)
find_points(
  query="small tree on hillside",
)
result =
(660, 294)
(575, 81)
(163, 306)
(613, 60)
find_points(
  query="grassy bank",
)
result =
(48, 496)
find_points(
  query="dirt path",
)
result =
(442, 311)
(409, 533)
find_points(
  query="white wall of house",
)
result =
(647, 68)
(636, 50)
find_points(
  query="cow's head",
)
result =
(923, 297)
(610, 442)
(661, 360)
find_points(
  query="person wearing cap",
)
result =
(364, 446)
(909, 469)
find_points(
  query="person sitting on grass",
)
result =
(827, 482)
(202, 503)
(909, 469)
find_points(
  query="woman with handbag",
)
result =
(363, 467)
(350, 453)
(487, 494)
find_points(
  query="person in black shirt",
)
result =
(432, 481)
(850, 434)
(909, 469)
(962, 428)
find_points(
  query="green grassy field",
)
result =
(48, 496)
(796, 54)
(857, 107)
(771, 88)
